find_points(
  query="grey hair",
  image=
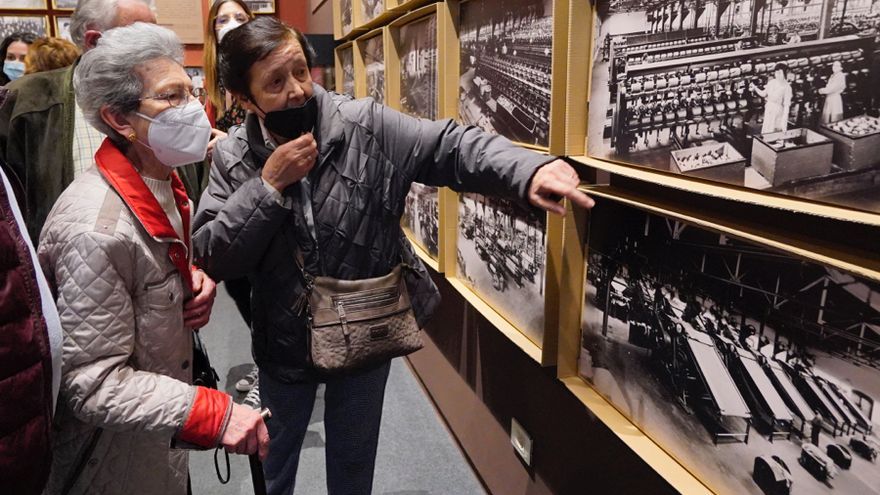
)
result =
(106, 74)
(99, 15)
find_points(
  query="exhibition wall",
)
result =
(717, 312)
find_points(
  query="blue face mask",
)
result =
(13, 69)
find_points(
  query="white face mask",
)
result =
(179, 136)
(225, 30)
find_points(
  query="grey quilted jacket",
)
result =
(369, 155)
(125, 389)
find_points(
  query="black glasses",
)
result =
(223, 20)
(179, 98)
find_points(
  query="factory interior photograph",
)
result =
(776, 95)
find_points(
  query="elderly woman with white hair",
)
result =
(116, 246)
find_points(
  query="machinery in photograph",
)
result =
(729, 353)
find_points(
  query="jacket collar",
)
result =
(329, 129)
(125, 180)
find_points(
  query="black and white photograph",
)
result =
(371, 9)
(505, 73)
(346, 58)
(10, 24)
(502, 252)
(197, 75)
(23, 4)
(421, 217)
(418, 67)
(62, 28)
(261, 6)
(756, 369)
(374, 62)
(773, 95)
(65, 4)
(345, 13)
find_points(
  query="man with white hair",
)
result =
(45, 141)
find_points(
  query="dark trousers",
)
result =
(352, 413)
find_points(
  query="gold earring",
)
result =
(132, 137)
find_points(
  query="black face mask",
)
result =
(291, 123)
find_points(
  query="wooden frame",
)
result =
(713, 189)
(573, 272)
(58, 7)
(443, 19)
(340, 69)
(271, 10)
(58, 32)
(361, 63)
(339, 30)
(401, 6)
(561, 40)
(381, 19)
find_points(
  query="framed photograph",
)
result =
(738, 96)
(64, 4)
(370, 10)
(345, 69)
(197, 74)
(414, 89)
(750, 362)
(261, 6)
(344, 22)
(62, 28)
(23, 4)
(497, 258)
(36, 24)
(506, 67)
(417, 55)
(421, 218)
(502, 256)
(370, 65)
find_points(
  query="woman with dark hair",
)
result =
(316, 176)
(777, 96)
(13, 50)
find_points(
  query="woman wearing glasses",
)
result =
(116, 247)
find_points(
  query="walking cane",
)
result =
(257, 466)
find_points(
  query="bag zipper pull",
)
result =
(340, 309)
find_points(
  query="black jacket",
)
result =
(368, 156)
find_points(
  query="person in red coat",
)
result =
(30, 354)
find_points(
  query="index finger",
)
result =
(579, 198)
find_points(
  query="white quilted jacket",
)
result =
(125, 390)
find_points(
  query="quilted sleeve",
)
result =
(465, 158)
(97, 317)
(234, 225)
